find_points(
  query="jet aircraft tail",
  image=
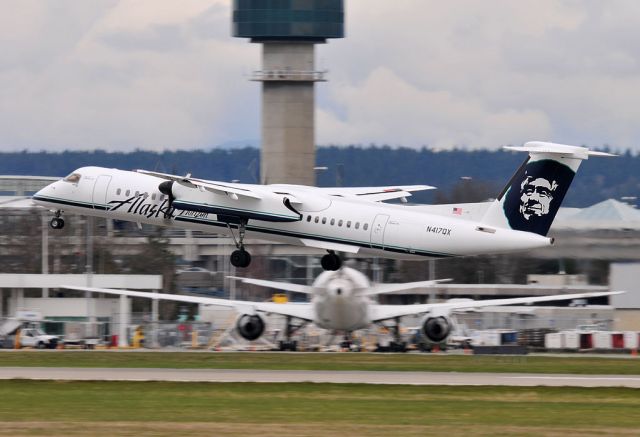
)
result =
(531, 199)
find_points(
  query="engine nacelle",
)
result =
(250, 327)
(436, 329)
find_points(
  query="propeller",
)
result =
(166, 188)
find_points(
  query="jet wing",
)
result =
(385, 312)
(298, 310)
(375, 194)
(212, 186)
(392, 288)
(286, 286)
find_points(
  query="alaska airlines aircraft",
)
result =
(351, 220)
(343, 301)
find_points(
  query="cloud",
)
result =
(485, 73)
(126, 75)
(162, 74)
(385, 109)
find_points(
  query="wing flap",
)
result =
(328, 245)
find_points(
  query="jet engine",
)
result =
(436, 328)
(250, 327)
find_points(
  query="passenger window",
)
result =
(324, 220)
(317, 219)
(153, 196)
(137, 193)
(127, 192)
(357, 225)
(340, 223)
(366, 226)
(118, 191)
(308, 218)
(73, 178)
(349, 224)
(333, 222)
(161, 198)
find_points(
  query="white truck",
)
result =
(36, 338)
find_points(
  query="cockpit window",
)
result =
(74, 178)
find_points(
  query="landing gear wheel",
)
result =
(57, 223)
(240, 258)
(331, 262)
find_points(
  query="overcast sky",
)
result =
(156, 74)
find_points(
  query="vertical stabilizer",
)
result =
(534, 194)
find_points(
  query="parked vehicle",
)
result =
(36, 338)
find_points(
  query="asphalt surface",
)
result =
(341, 377)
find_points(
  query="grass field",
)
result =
(330, 361)
(163, 409)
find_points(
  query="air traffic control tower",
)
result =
(288, 31)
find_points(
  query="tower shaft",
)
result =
(288, 102)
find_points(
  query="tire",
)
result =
(56, 223)
(240, 258)
(41, 345)
(331, 262)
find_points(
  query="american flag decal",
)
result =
(457, 211)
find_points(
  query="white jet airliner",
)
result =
(351, 220)
(343, 301)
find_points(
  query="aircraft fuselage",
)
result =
(372, 228)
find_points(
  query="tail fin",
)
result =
(533, 196)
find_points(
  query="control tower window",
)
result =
(73, 178)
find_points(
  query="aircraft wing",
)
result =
(286, 286)
(375, 194)
(385, 312)
(392, 288)
(298, 310)
(212, 186)
(328, 245)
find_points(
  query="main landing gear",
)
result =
(287, 344)
(331, 261)
(239, 257)
(57, 222)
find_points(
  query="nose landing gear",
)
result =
(57, 222)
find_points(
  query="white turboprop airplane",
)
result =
(351, 220)
(342, 301)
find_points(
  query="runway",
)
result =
(339, 377)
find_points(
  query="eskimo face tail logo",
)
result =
(535, 195)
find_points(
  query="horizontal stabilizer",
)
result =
(542, 147)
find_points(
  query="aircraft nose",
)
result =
(45, 192)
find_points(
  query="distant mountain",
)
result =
(598, 179)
